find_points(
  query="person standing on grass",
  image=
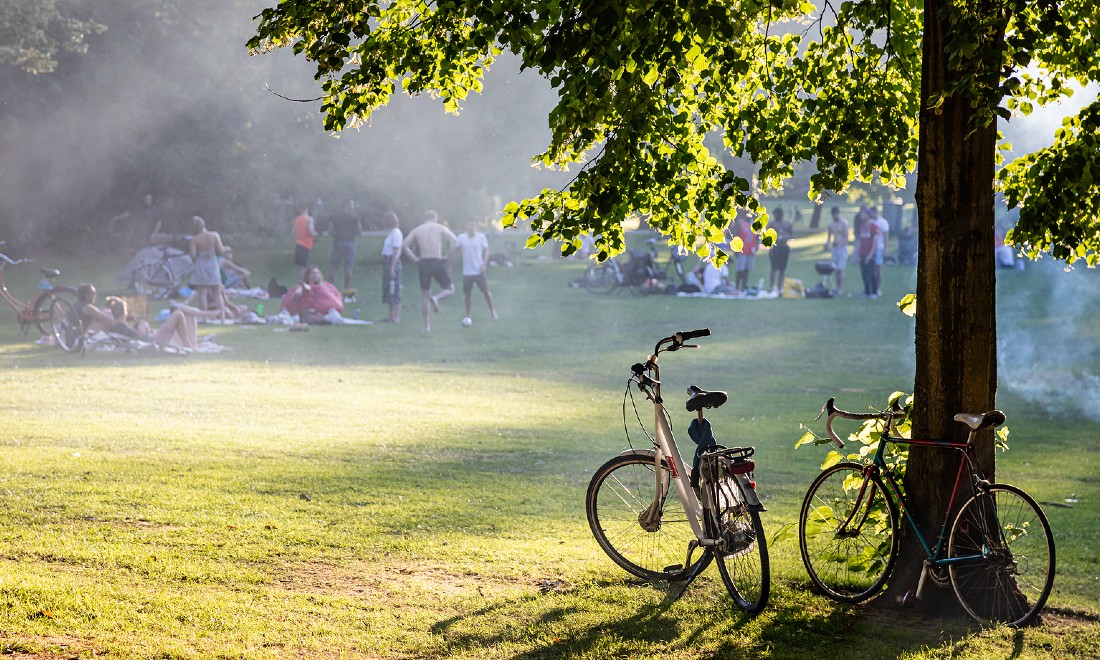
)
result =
(836, 240)
(867, 239)
(745, 258)
(475, 258)
(780, 253)
(206, 276)
(304, 233)
(344, 227)
(391, 269)
(882, 236)
(428, 239)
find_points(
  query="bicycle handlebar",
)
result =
(13, 262)
(830, 411)
(692, 334)
(677, 340)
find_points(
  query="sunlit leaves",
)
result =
(1059, 189)
(908, 304)
(779, 83)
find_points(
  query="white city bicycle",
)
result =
(662, 519)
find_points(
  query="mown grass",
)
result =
(375, 492)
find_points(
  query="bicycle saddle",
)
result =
(979, 421)
(49, 272)
(700, 399)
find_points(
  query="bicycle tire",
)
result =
(619, 491)
(852, 566)
(1011, 585)
(600, 278)
(742, 551)
(154, 278)
(42, 307)
(65, 326)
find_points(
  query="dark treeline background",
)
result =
(162, 98)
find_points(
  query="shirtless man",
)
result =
(428, 256)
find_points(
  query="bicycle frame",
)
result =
(666, 449)
(968, 464)
(25, 310)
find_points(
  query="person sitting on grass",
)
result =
(234, 276)
(313, 297)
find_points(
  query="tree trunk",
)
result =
(815, 219)
(956, 332)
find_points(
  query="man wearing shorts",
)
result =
(475, 257)
(428, 239)
(304, 233)
(836, 239)
(391, 269)
(344, 227)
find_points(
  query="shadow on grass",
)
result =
(610, 618)
(590, 622)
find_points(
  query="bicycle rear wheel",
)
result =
(1010, 584)
(742, 551)
(621, 490)
(600, 278)
(65, 326)
(847, 533)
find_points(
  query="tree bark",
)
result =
(956, 332)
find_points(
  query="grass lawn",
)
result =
(374, 492)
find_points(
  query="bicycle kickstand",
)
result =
(692, 547)
(910, 596)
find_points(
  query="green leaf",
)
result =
(908, 304)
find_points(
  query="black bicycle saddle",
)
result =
(700, 399)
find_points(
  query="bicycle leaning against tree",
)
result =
(996, 552)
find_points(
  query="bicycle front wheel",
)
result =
(742, 551)
(65, 326)
(43, 316)
(847, 533)
(1013, 571)
(620, 495)
(600, 278)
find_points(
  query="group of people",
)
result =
(872, 234)
(713, 279)
(430, 245)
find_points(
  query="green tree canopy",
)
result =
(33, 32)
(641, 84)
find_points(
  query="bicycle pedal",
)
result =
(675, 568)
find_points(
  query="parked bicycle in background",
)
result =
(50, 307)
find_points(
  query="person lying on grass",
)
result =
(179, 330)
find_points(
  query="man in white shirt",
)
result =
(475, 258)
(391, 269)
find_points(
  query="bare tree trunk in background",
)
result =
(815, 219)
(956, 332)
